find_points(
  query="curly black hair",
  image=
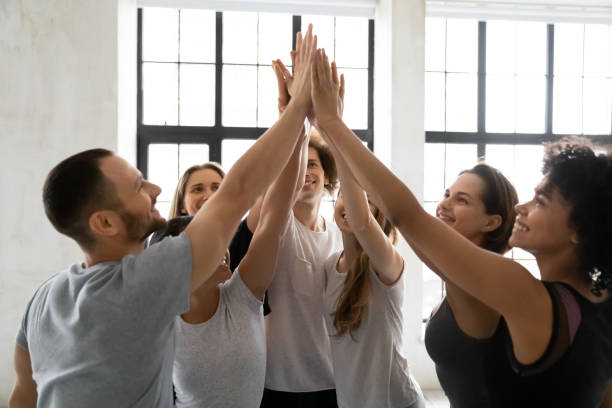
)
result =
(584, 179)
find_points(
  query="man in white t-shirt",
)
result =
(299, 368)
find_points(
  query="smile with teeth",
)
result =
(445, 217)
(520, 227)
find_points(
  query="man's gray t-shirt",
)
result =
(104, 336)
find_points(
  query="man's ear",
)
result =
(104, 223)
(493, 223)
(574, 238)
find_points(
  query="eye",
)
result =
(214, 188)
(462, 200)
(196, 189)
(446, 194)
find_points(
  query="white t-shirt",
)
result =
(299, 354)
(222, 362)
(369, 368)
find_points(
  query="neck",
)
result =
(111, 251)
(562, 267)
(308, 214)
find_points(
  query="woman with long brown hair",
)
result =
(363, 295)
(195, 187)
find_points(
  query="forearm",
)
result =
(263, 162)
(385, 189)
(21, 398)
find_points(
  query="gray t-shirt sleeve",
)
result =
(159, 278)
(239, 295)
(22, 339)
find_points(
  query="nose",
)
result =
(155, 189)
(444, 204)
(520, 208)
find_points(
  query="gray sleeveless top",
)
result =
(459, 360)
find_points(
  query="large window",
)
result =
(207, 89)
(496, 90)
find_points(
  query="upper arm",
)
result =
(24, 393)
(210, 233)
(384, 258)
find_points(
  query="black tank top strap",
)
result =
(567, 317)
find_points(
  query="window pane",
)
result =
(239, 37)
(239, 95)
(502, 158)
(198, 35)
(528, 170)
(163, 168)
(159, 34)
(267, 97)
(501, 46)
(326, 210)
(596, 50)
(351, 42)
(530, 104)
(434, 101)
(531, 48)
(567, 105)
(461, 102)
(500, 103)
(197, 106)
(597, 106)
(568, 49)
(531, 266)
(434, 171)
(232, 150)
(323, 27)
(192, 154)
(462, 46)
(435, 44)
(275, 32)
(160, 94)
(356, 98)
(459, 157)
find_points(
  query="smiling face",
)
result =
(315, 179)
(201, 185)
(340, 216)
(542, 225)
(137, 196)
(463, 209)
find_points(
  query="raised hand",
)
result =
(284, 79)
(327, 91)
(305, 49)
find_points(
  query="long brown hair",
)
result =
(179, 194)
(356, 293)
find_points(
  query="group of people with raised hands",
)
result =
(283, 308)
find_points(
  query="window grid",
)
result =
(214, 135)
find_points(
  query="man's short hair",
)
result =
(327, 160)
(76, 188)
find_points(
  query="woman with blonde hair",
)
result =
(195, 187)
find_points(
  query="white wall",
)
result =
(58, 95)
(399, 140)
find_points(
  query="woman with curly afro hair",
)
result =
(553, 346)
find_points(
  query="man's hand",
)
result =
(284, 79)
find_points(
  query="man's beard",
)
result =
(138, 229)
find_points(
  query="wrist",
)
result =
(326, 123)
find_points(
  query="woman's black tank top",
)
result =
(574, 371)
(459, 360)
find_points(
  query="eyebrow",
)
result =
(543, 191)
(459, 193)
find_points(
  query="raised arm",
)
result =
(257, 266)
(214, 225)
(284, 80)
(24, 392)
(491, 278)
(384, 258)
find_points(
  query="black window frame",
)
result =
(481, 137)
(214, 135)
